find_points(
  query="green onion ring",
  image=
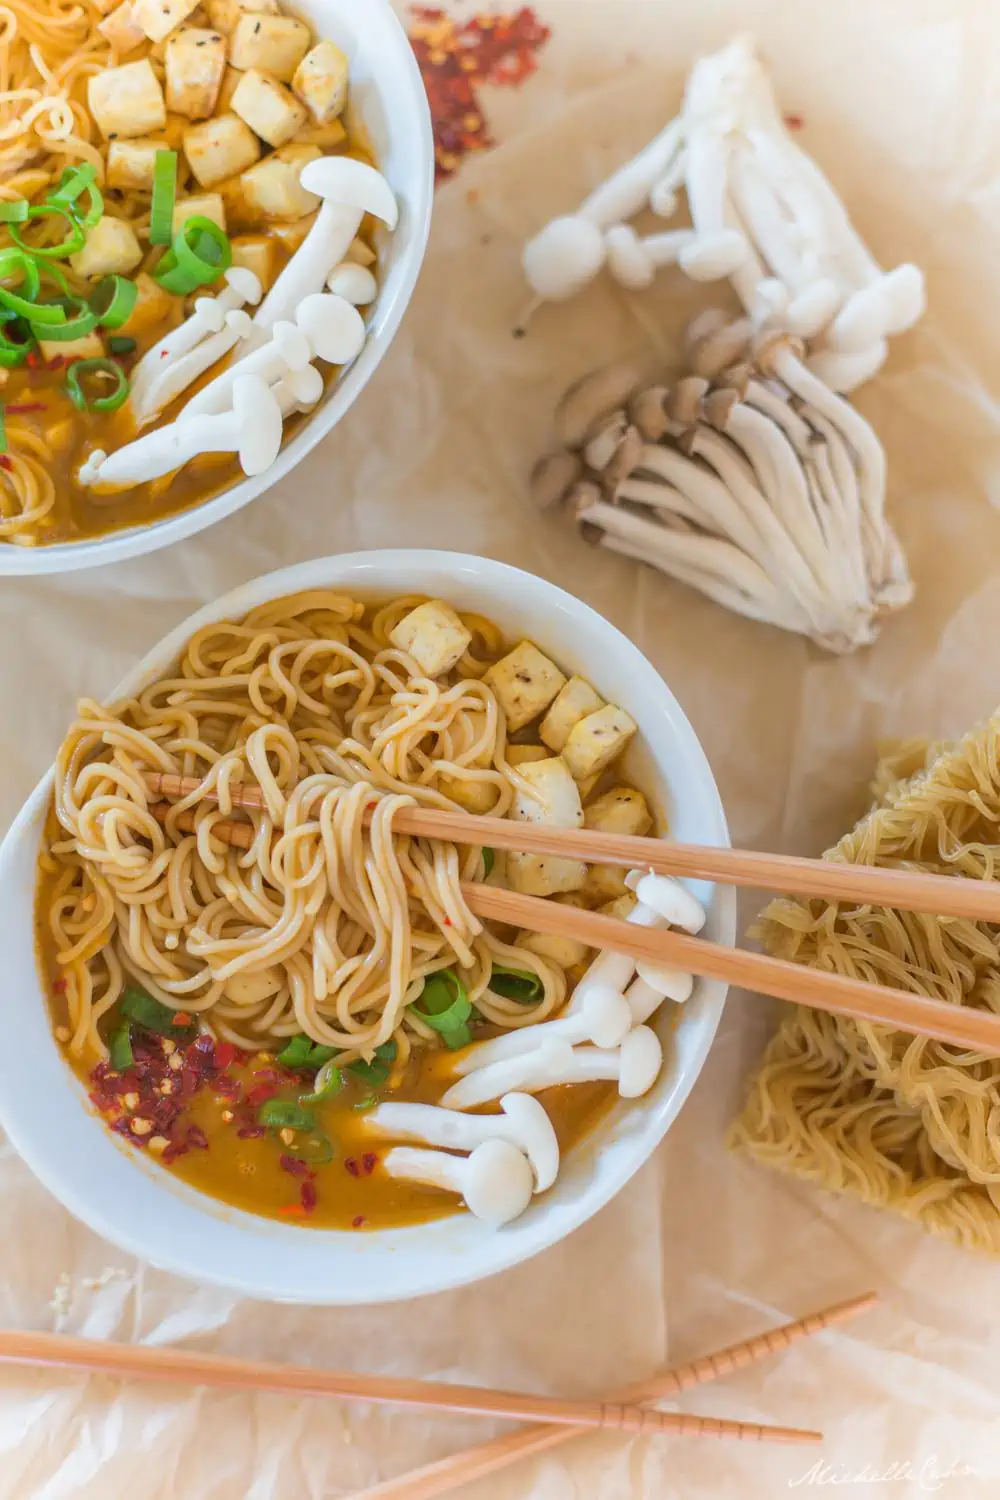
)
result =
(82, 368)
(16, 262)
(78, 327)
(13, 352)
(73, 242)
(13, 211)
(72, 183)
(161, 215)
(114, 301)
(445, 1007)
(186, 265)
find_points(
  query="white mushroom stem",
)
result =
(252, 429)
(634, 1066)
(604, 1018)
(496, 1181)
(163, 387)
(349, 189)
(627, 190)
(209, 317)
(523, 1124)
(299, 390)
(287, 349)
(719, 250)
(634, 262)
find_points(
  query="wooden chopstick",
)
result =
(959, 1026)
(476, 1463)
(144, 1362)
(906, 890)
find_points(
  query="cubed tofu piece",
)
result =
(621, 810)
(90, 346)
(122, 29)
(575, 702)
(59, 435)
(328, 137)
(131, 163)
(172, 139)
(231, 80)
(621, 908)
(554, 796)
(272, 189)
(433, 634)
(523, 755)
(195, 65)
(320, 81)
(127, 101)
(274, 44)
(525, 683)
(220, 148)
(360, 253)
(225, 14)
(152, 306)
(597, 740)
(564, 952)
(111, 248)
(158, 18)
(202, 206)
(256, 253)
(543, 874)
(104, 6)
(292, 234)
(474, 796)
(269, 108)
(604, 883)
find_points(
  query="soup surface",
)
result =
(238, 1009)
(111, 143)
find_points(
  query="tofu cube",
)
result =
(604, 883)
(554, 797)
(274, 44)
(131, 163)
(621, 908)
(292, 234)
(158, 18)
(220, 148)
(320, 81)
(201, 205)
(90, 346)
(328, 137)
(231, 80)
(152, 306)
(195, 65)
(543, 874)
(111, 247)
(622, 810)
(225, 14)
(564, 952)
(574, 703)
(105, 5)
(272, 189)
(523, 755)
(126, 101)
(360, 253)
(525, 683)
(596, 741)
(473, 796)
(121, 28)
(433, 634)
(257, 253)
(269, 108)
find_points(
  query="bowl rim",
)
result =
(139, 540)
(46, 1155)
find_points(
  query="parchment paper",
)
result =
(900, 105)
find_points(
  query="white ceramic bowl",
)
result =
(389, 100)
(130, 1199)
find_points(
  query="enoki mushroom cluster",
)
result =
(749, 479)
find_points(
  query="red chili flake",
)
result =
(33, 361)
(368, 1162)
(5, 462)
(794, 122)
(250, 1132)
(226, 1054)
(308, 1196)
(164, 353)
(294, 1166)
(357, 1222)
(196, 1137)
(21, 408)
(447, 921)
(262, 1092)
(351, 1165)
(182, 1018)
(455, 60)
(56, 362)
(59, 986)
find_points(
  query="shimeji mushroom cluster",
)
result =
(271, 374)
(603, 1036)
(749, 479)
(763, 215)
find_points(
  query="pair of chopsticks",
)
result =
(625, 1412)
(906, 890)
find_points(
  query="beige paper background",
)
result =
(900, 101)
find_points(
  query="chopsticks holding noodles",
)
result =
(955, 1025)
(144, 1362)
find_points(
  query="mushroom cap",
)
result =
(259, 418)
(648, 413)
(581, 500)
(540, 1142)
(305, 386)
(210, 313)
(684, 402)
(246, 283)
(845, 372)
(809, 311)
(672, 984)
(590, 400)
(861, 322)
(663, 199)
(291, 345)
(768, 345)
(333, 326)
(354, 283)
(497, 1183)
(563, 257)
(668, 898)
(240, 323)
(607, 1014)
(629, 263)
(713, 257)
(341, 179)
(718, 407)
(553, 476)
(906, 297)
(718, 347)
(640, 1060)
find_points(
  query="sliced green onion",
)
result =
(120, 1051)
(376, 1072)
(516, 984)
(74, 328)
(303, 1052)
(489, 860)
(315, 1149)
(200, 252)
(285, 1114)
(75, 182)
(85, 369)
(14, 211)
(161, 217)
(153, 1016)
(445, 1007)
(73, 242)
(22, 302)
(329, 1081)
(14, 352)
(368, 1102)
(121, 346)
(3, 429)
(114, 301)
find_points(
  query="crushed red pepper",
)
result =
(455, 59)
